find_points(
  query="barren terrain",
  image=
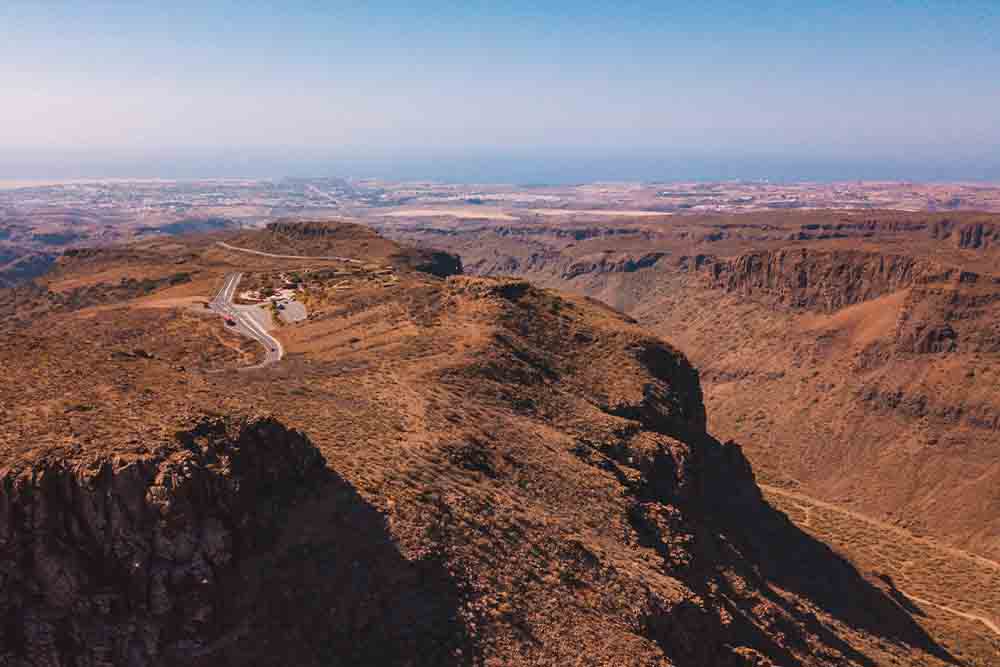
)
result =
(855, 355)
(442, 470)
(40, 219)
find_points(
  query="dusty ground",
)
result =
(859, 367)
(511, 462)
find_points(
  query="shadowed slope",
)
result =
(513, 476)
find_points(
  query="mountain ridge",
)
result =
(501, 462)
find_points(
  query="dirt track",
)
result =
(880, 524)
(972, 617)
(268, 254)
(806, 503)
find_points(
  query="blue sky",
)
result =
(262, 87)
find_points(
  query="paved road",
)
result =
(245, 322)
(268, 254)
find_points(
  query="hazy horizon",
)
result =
(555, 169)
(569, 93)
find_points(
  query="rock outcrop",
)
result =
(129, 561)
(499, 463)
(17, 268)
(440, 264)
(825, 281)
(688, 497)
(321, 229)
(612, 263)
(977, 235)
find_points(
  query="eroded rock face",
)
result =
(560, 501)
(977, 235)
(612, 264)
(825, 281)
(125, 562)
(440, 264)
(21, 268)
(321, 229)
(949, 319)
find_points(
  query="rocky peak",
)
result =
(322, 229)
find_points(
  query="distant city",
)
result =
(40, 219)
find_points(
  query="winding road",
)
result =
(243, 316)
(261, 253)
(245, 323)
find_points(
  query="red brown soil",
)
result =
(855, 355)
(512, 476)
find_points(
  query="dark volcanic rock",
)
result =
(310, 229)
(977, 235)
(826, 280)
(440, 264)
(128, 562)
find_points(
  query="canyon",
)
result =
(442, 469)
(854, 355)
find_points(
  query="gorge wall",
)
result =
(842, 365)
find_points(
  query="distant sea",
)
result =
(539, 168)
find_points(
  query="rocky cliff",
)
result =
(131, 560)
(19, 267)
(842, 363)
(823, 280)
(491, 464)
(977, 235)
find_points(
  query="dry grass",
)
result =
(914, 566)
(505, 432)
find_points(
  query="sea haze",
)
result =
(542, 167)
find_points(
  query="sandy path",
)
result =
(273, 255)
(803, 502)
(972, 617)
(801, 497)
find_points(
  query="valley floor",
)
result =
(954, 593)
